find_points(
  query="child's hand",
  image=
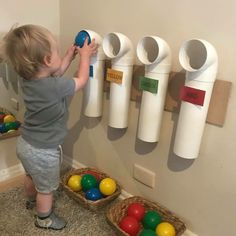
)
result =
(88, 49)
(71, 52)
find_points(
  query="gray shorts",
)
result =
(43, 165)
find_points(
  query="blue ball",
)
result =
(93, 194)
(80, 38)
(3, 128)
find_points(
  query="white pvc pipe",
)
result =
(199, 59)
(93, 91)
(155, 54)
(120, 49)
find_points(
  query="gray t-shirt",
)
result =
(46, 110)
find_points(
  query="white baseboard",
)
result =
(123, 195)
(11, 172)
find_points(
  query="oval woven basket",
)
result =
(80, 196)
(117, 211)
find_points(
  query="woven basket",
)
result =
(80, 196)
(116, 212)
(11, 134)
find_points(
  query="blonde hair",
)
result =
(25, 47)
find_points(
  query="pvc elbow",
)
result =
(155, 53)
(199, 58)
(119, 48)
(98, 39)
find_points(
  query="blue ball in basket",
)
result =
(93, 194)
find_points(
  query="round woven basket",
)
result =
(11, 134)
(80, 196)
(117, 211)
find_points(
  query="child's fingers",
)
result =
(93, 43)
(86, 41)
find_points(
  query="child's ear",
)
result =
(47, 60)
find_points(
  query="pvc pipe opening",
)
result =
(119, 48)
(111, 45)
(155, 53)
(148, 50)
(195, 55)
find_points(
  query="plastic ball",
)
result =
(151, 219)
(130, 225)
(107, 186)
(74, 183)
(96, 175)
(11, 130)
(165, 229)
(18, 124)
(81, 37)
(88, 181)
(9, 118)
(3, 128)
(11, 125)
(93, 194)
(147, 232)
(2, 117)
(136, 210)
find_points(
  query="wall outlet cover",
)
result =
(144, 175)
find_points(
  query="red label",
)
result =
(192, 95)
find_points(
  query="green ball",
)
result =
(147, 232)
(151, 219)
(88, 181)
(11, 126)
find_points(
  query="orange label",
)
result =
(114, 76)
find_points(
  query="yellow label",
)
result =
(114, 76)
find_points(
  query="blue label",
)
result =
(90, 71)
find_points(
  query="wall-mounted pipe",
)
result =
(199, 59)
(93, 91)
(119, 48)
(155, 54)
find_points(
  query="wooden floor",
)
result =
(14, 182)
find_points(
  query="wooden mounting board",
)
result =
(219, 99)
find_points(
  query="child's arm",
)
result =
(82, 74)
(66, 61)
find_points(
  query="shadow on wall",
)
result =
(75, 131)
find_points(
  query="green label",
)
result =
(147, 84)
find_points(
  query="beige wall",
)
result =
(45, 13)
(201, 191)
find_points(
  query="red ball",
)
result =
(93, 173)
(136, 210)
(130, 225)
(2, 117)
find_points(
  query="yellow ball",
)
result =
(165, 229)
(9, 118)
(74, 182)
(107, 186)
